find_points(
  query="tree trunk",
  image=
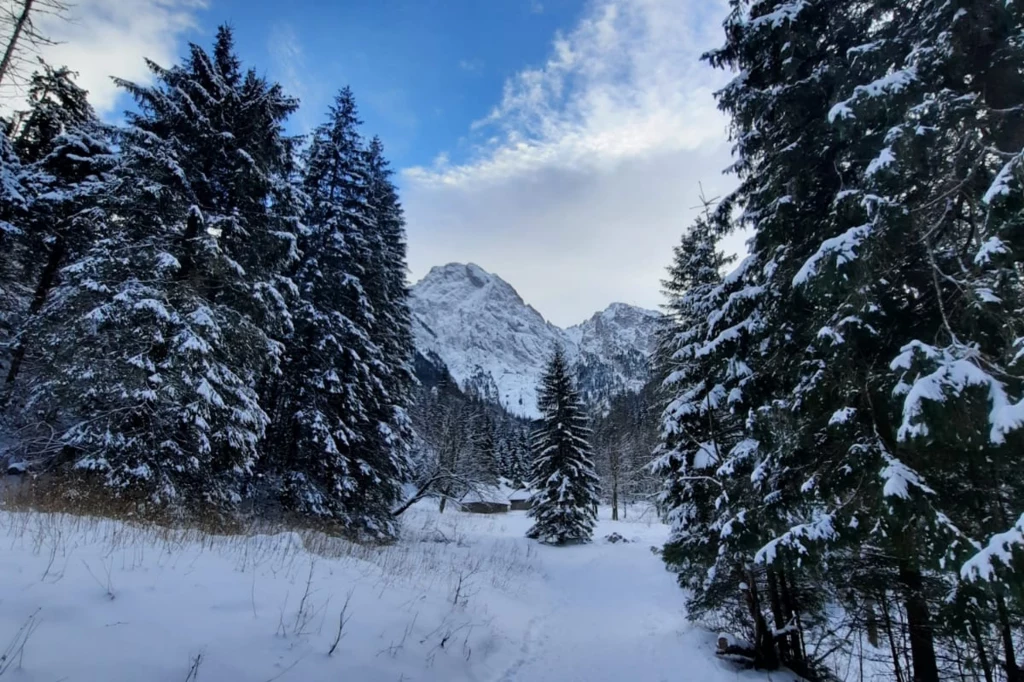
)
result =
(615, 498)
(922, 643)
(1013, 673)
(887, 619)
(765, 656)
(775, 601)
(188, 261)
(792, 613)
(871, 622)
(975, 630)
(19, 26)
(46, 281)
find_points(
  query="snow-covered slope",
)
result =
(495, 345)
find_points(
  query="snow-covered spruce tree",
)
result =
(56, 104)
(341, 454)
(789, 59)
(690, 433)
(562, 477)
(932, 234)
(386, 286)
(14, 200)
(69, 157)
(873, 309)
(155, 342)
(704, 458)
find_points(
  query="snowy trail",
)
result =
(615, 614)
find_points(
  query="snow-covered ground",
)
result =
(461, 597)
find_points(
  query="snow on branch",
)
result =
(888, 84)
(786, 12)
(844, 247)
(998, 552)
(899, 478)
(1001, 186)
(796, 538)
(950, 378)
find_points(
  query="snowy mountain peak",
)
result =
(458, 274)
(496, 346)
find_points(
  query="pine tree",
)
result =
(14, 201)
(344, 455)
(874, 324)
(562, 477)
(56, 104)
(69, 157)
(154, 345)
(704, 458)
(932, 122)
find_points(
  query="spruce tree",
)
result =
(70, 157)
(735, 394)
(343, 452)
(932, 125)
(56, 104)
(386, 283)
(14, 200)
(875, 323)
(706, 457)
(562, 477)
(154, 345)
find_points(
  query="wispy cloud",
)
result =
(471, 65)
(286, 51)
(288, 64)
(585, 173)
(625, 83)
(536, 7)
(107, 38)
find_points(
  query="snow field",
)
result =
(460, 597)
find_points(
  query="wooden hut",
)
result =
(519, 500)
(485, 500)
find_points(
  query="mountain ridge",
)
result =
(495, 345)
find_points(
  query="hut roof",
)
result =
(486, 493)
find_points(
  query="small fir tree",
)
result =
(563, 480)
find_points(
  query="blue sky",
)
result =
(422, 70)
(557, 143)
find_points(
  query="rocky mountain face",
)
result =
(496, 346)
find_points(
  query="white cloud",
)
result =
(588, 168)
(107, 38)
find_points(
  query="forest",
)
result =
(204, 320)
(841, 446)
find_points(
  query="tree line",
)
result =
(200, 313)
(462, 444)
(841, 442)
